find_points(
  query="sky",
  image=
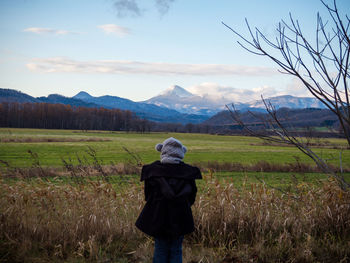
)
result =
(136, 49)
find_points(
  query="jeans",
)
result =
(168, 250)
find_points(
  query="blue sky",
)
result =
(138, 48)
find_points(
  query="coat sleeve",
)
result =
(192, 196)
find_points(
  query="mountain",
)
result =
(9, 95)
(310, 117)
(175, 104)
(177, 91)
(144, 110)
(183, 101)
(82, 95)
(288, 101)
(56, 98)
(83, 99)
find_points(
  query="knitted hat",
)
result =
(172, 150)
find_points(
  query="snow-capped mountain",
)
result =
(173, 105)
(177, 91)
(288, 101)
(179, 99)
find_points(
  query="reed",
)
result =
(94, 221)
(36, 139)
(263, 225)
(64, 220)
(265, 166)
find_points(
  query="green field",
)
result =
(56, 213)
(53, 145)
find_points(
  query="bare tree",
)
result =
(321, 64)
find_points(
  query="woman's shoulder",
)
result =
(180, 170)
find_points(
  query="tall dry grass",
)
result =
(62, 221)
(94, 221)
(262, 225)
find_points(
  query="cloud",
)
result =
(60, 64)
(127, 8)
(227, 94)
(163, 5)
(115, 30)
(297, 88)
(230, 94)
(41, 30)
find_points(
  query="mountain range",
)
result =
(183, 101)
(173, 105)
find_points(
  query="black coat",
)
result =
(170, 190)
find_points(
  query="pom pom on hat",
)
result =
(159, 147)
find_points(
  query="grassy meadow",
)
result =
(53, 145)
(256, 203)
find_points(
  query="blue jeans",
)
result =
(168, 250)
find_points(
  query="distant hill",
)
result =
(113, 102)
(56, 98)
(310, 117)
(83, 99)
(10, 95)
(177, 105)
(144, 110)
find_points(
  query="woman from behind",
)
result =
(170, 191)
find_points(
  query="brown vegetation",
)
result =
(260, 225)
(324, 145)
(263, 166)
(50, 139)
(94, 220)
(82, 170)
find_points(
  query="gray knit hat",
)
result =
(172, 150)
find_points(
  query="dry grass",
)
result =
(94, 221)
(264, 166)
(37, 139)
(262, 225)
(324, 144)
(61, 221)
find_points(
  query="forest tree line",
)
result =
(61, 116)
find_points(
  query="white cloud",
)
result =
(115, 30)
(231, 94)
(297, 88)
(41, 30)
(60, 64)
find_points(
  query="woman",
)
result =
(170, 191)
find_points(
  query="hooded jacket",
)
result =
(170, 190)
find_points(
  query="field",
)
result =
(53, 145)
(73, 196)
